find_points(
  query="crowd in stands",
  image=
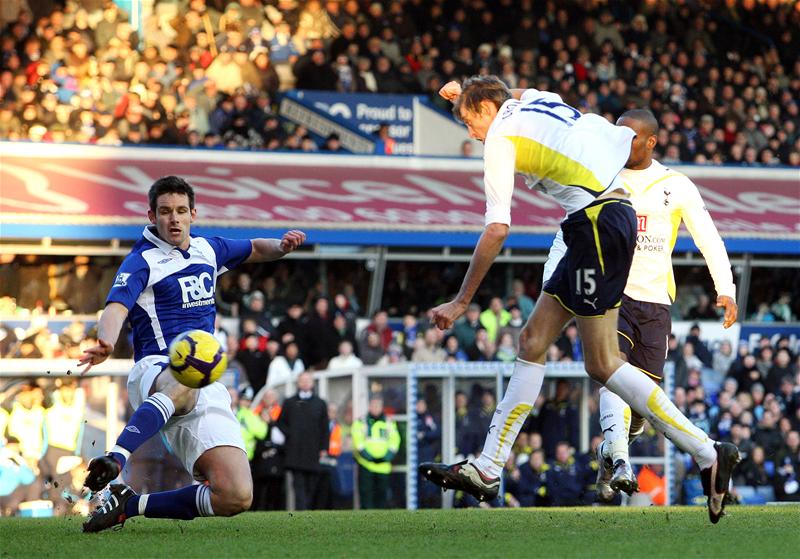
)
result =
(724, 82)
(278, 326)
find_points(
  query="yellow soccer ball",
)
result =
(196, 359)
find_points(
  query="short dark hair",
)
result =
(170, 185)
(643, 116)
(477, 89)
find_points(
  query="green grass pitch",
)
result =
(676, 532)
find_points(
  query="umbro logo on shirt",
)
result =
(164, 261)
(133, 429)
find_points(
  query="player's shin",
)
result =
(615, 420)
(183, 504)
(650, 401)
(521, 394)
(146, 421)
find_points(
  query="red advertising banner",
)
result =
(79, 185)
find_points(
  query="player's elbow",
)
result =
(497, 231)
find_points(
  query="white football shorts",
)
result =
(210, 424)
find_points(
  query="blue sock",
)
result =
(145, 422)
(184, 503)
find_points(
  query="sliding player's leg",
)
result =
(156, 396)
(208, 441)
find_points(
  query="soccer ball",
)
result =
(196, 359)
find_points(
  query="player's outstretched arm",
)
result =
(486, 251)
(108, 328)
(702, 229)
(265, 250)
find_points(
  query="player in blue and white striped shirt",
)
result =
(165, 286)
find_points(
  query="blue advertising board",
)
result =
(367, 111)
(752, 332)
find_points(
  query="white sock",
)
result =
(521, 394)
(615, 421)
(649, 401)
(204, 501)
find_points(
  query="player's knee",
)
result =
(601, 369)
(242, 500)
(235, 499)
(184, 398)
(531, 346)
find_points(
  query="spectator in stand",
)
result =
(453, 351)
(17, 478)
(321, 334)
(326, 489)
(780, 369)
(345, 359)
(506, 349)
(304, 423)
(514, 326)
(566, 478)
(253, 307)
(380, 325)
(393, 356)
(494, 318)
(254, 360)
(699, 347)
(285, 367)
(465, 328)
(370, 349)
(376, 441)
(723, 358)
(292, 327)
(333, 144)
(703, 310)
(429, 443)
(316, 74)
(558, 419)
(521, 299)
(570, 344)
(343, 331)
(428, 349)
(384, 143)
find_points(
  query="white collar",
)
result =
(150, 234)
(305, 394)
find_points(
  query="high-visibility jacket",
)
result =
(253, 429)
(65, 423)
(375, 442)
(3, 424)
(492, 323)
(335, 444)
(27, 426)
(653, 484)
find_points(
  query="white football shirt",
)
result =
(662, 199)
(571, 156)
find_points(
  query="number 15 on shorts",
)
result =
(584, 281)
